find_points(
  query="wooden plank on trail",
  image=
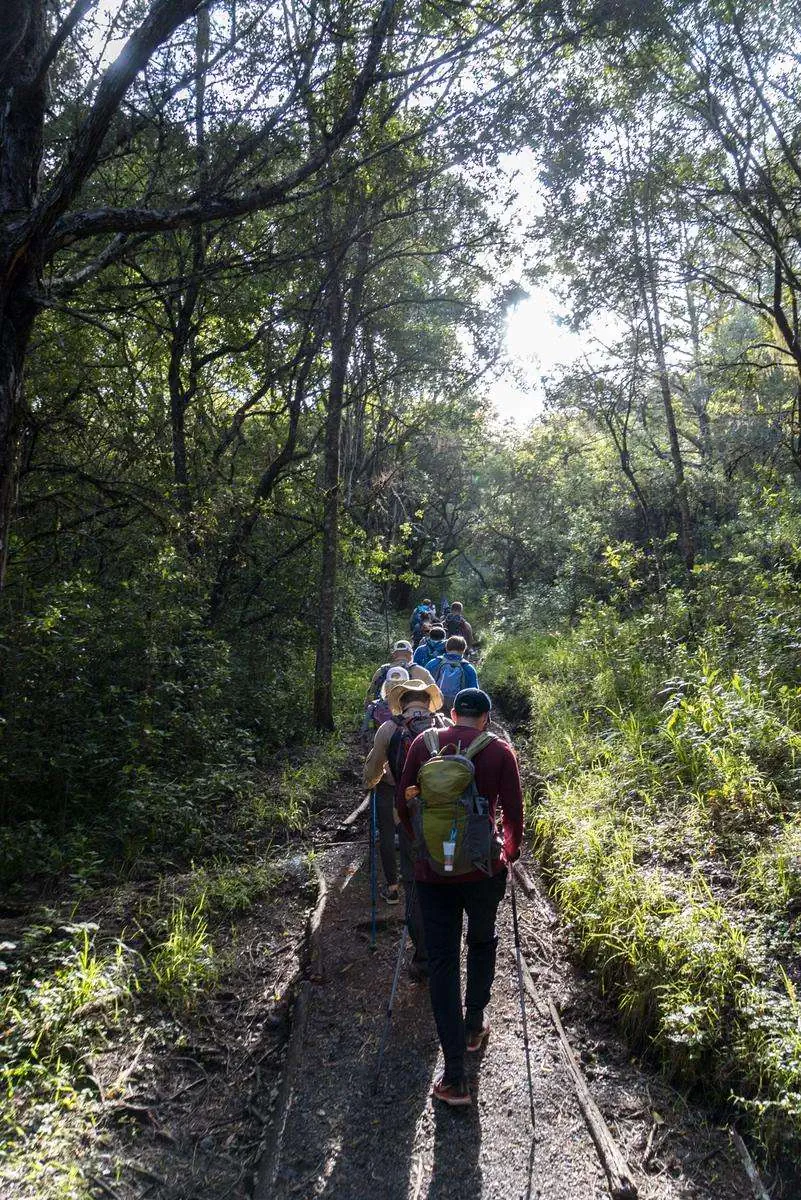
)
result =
(621, 1183)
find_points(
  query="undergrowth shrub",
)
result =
(669, 834)
(183, 963)
(131, 732)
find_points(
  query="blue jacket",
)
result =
(428, 650)
(468, 670)
(420, 613)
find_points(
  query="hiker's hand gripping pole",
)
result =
(522, 990)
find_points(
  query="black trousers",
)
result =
(385, 803)
(443, 906)
(414, 916)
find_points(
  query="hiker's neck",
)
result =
(470, 722)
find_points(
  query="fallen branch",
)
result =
(621, 1183)
(760, 1191)
(103, 1187)
(129, 1070)
(353, 817)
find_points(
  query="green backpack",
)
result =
(451, 821)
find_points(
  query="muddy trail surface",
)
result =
(334, 1133)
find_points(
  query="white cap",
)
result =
(394, 675)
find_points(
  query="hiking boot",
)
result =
(391, 894)
(475, 1038)
(457, 1095)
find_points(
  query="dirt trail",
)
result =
(346, 1142)
(200, 1111)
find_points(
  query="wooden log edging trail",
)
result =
(267, 1167)
(314, 945)
(270, 1157)
(621, 1182)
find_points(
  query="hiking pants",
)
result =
(442, 905)
(385, 810)
(414, 917)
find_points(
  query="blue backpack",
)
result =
(450, 679)
(435, 649)
(418, 615)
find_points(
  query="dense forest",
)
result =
(256, 262)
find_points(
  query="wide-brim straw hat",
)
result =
(417, 687)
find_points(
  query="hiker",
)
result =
(456, 625)
(425, 609)
(413, 707)
(385, 787)
(423, 631)
(451, 671)
(378, 711)
(447, 879)
(400, 656)
(432, 646)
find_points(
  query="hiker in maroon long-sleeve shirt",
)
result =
(446, 895)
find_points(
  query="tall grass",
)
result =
(670, 836)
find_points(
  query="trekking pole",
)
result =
(522, 990)
(388, 1018)
(373, 868)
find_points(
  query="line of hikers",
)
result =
(453, 621)
(442, 778)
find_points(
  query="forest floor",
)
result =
(192, 1106)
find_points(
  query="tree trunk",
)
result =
(324, 665)
(184, 324)
(699, 397)
(647, 286)
(23, 38)
(342, 331)
(16, 322)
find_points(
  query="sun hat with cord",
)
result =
(394, 675)
(398, 695)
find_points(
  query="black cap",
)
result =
(472, 702)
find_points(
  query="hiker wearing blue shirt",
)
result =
(432, 646)
(425, 609)
(451, 671)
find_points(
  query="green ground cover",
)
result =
(670, 832)
(149, 957)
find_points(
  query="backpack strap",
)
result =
(393, 750)
(431, 739)
(478, 744)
